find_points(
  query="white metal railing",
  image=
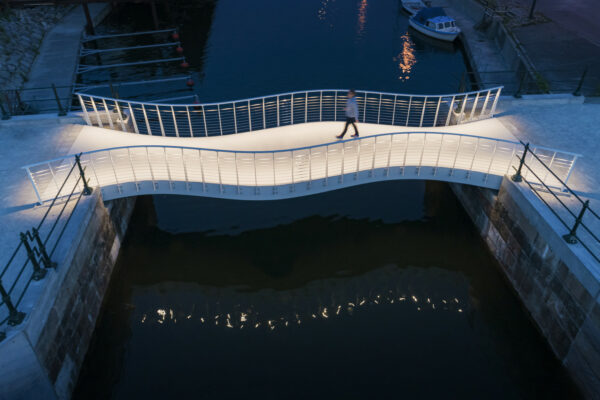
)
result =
(212, 119)
(137, 170)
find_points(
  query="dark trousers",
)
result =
(349, 121)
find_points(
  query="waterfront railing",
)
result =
(138, 170)
(36, 250)
(574, 213)
(272, 111)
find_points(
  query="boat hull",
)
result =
(445, 36)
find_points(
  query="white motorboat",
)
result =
(435, 23)
(413, 6)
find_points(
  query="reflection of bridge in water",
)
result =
(273, 160)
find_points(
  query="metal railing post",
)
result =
(571, 237)
(86, 189)
(61, 111)
(577, 91)
(5, 113)
(42, 249)
(518, 177)
(38, 272)
(518, 94)
(14, 317)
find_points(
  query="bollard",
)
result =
(518, 177)
(42, 249)
(61, 111)
(86, 189)
(5, 113)
(577, 91)
(571, 237)
(518, 95)
(14, 317)
(38, 272)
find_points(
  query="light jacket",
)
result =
(352, 108)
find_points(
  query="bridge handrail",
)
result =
(282, 109)
(533, 147)
(290, 93)
(479, 157)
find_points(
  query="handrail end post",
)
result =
(517, 177)
(87, 190)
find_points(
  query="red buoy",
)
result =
(185, 64)
(190, 82)
(179, 49)
(175, 36)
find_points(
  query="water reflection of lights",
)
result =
(253, 318)
(406, 59)
(362, 16)
(323, 10)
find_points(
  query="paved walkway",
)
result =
(569, 127)
(58, 58)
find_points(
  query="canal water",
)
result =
(381, 290)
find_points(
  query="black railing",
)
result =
(33, 256)
(27, 101)
(578, 222)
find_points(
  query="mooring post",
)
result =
(518, 177)
(42, 249)
(518, 95)
(577, 91)
(86, 189)
(571, 237)
(5, 113)
(61, 111)
(38, 272)
(14, 317)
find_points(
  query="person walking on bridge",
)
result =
(351, 114)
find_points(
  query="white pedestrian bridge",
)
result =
(283, 146)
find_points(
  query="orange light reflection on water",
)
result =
(406, 59)
(362, 17)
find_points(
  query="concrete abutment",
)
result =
(556, 288)
(43, 358)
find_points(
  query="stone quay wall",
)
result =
(560, 293)
(43, 359)
(22, 31)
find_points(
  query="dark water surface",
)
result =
(239, 48)
(383, 290)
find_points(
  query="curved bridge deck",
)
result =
(289, 162)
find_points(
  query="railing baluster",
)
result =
(235, 128)
(168, 169)
(135, 181)
(379, 109)
(326, 165)
(474, 107)
(146, 119)
(450, 111)
(343, 158)
(487, 98)
(306, 107)
(437, 160)
(35, 189)
(202, 171)
(96, 113)
(108, 116)
(264, 114)
(389, 157)
(462, 108)
(456, 155)
(189, 118)
(405, 153)
(185, 173)
(495, 102)
(321, 106)
(408, 110)
(358, 142)
(175, 122)
(374, 155)
(423, 112)
(394, 110)
(335, 105)
(422, 154)
(154, 184)
(473, 160)
(135, 127)
(437, 110)
(491, 162)
(204, 119)
(365, 107)
(219, 172)
(277, 110)
(160, 122)
(237, 175)
(220, 123)
(249, 117)
(292, 111)
(86, 116)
